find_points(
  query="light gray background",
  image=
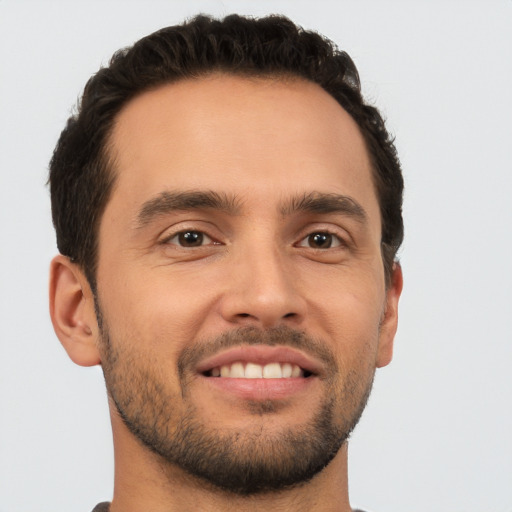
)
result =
(436, 436)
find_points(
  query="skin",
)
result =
(261, 142)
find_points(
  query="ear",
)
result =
(389, 321)
(72, 311)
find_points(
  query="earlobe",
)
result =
(72, 312)
(389, 322)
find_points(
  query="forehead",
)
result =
(246, 136)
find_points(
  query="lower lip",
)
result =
(260, 389)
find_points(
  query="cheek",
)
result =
(346, 301)
(155, 312)
(347, 312)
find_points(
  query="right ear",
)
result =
(72, 311)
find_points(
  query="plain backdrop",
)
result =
(436, 436)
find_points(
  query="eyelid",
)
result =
(206, 238)
(340, 241)
(184, 227)
(340, 234)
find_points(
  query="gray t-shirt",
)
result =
(104, 507)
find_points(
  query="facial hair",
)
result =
(241, 462)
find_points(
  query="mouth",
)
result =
(260, 363)
(261, 372)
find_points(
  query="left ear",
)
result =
(389, 321)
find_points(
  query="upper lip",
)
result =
(261, 354)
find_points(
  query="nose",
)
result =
(263, 291)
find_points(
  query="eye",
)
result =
(321, 240)
(190, 238)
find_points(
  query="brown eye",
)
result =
(190, 239)
(320, 240)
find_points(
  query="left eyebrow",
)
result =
(168, 201)
(319, 202)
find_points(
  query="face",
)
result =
(241, 288)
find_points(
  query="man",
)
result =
(228, 212)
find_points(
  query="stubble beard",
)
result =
(240, 462)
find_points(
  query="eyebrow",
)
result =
(313, 202)
(319, 202)
(167, 202)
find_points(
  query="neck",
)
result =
(144, 481)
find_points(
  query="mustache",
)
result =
(282, 336)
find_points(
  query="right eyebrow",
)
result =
(170, 201)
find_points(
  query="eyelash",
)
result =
(334, 237)
(184, 232)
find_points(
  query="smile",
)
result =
(250, 370)
(261, 372)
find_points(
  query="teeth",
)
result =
(253, 371)
(272, 371)
(257, 371)
(237, 371)
(296, 371)
(287, 370)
